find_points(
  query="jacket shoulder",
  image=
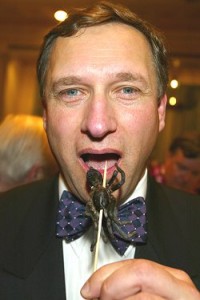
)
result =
(27, 193)
(24, 204)
(173, 196)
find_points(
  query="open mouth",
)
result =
(97, 161)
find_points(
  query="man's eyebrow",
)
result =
(127, 76)
(66, 81)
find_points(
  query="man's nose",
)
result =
(99, 118)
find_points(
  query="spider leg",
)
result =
(94, 240)
(91, 212)
(112, 179)
(104, 237)
(109, 228)
(117, 221)
(119, 184)
(121, 233)
(94, 215)
(112, 213)
(113, 223)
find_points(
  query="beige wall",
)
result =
(19, 84)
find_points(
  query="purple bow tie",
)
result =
(73, 223)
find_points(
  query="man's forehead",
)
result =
(120, 30)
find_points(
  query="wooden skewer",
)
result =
(104, 175)
(99, 224)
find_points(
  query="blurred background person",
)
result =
(24, 151)
(181, 168)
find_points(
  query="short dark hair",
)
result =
(101, 13)
(188, 143)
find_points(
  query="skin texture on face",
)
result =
(182, 172)
(101, 104)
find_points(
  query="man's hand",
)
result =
(139, 279)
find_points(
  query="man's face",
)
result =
(101, 104)
(182, 172)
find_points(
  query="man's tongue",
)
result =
(98, 161)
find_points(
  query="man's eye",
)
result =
(72, 92)
(71, 95)
(127, 93)
(128, 90)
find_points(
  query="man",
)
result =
(103, 76)
(182, 165)
(181, 168)
(24, 153)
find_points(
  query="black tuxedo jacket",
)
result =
(31, 260)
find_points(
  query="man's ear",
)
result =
(35, 173)
(162, 112)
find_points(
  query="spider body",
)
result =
(102, 198)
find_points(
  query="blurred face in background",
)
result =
(182, 172)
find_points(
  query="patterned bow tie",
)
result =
(73, 223)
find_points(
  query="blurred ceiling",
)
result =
(23, 23)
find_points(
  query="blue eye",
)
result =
(128, 90)
(72, 92)
(71, 95)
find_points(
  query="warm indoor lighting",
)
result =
(174, 84)
(172, 101)
(60, 15)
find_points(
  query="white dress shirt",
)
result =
(79, 260)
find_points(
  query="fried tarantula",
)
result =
(102, 198)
